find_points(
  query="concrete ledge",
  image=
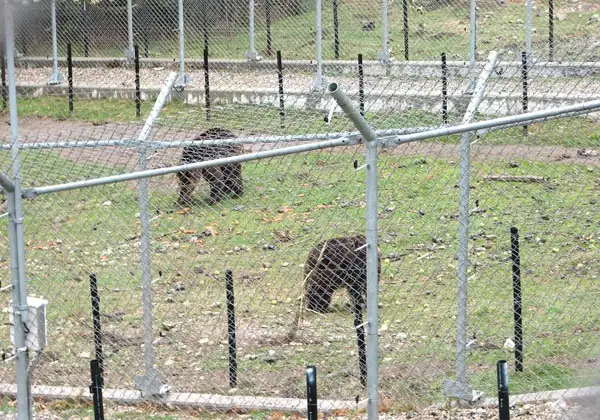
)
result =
(211, 402)
(506, 69)
(572, 394)
(494, 104)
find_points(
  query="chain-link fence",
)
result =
(279, 187)
(412, 30)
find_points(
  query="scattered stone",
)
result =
(368, 26)
(509, 344)
(238, 208)
(84, 355)
(513, 164)
(107, 203)
(168, 326)
(198, 270)
(401, 336)
(586, 153)
(179, 287)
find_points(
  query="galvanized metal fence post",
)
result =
(384, 54)
(370, 137)
(472, 45)
(15, 232)
(183, 78)
(56, 77)
(152, 383)
(319, 82)
(85, 29)
(251, 53)
(129, 53)
(461, 388)
(529, 31)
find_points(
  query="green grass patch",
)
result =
(292, 203)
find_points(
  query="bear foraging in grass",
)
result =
(333, 264)
(225, 180)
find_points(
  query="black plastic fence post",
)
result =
(281, 95)
(206, 85)
(405, 13)
(205, 23)
(518, 315)
(336, 30)
(361, 85)
(311, 392)
(269, 50)
(85, 29)
(97, 326)
(444, 89)
(503, 396)
(231, 329)
(96, 389)
(550, 30)
(138, 93)
(360, 341)
(524, 73)
(70, 75)
(3, 75)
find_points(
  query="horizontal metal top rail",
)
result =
(33, 192)
(561, 112)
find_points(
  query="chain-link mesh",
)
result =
(292, 228)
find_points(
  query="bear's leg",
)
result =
(214, 176)
(233, 179)
(319, 295)
(187, 183)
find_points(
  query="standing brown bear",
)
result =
(225, 180)
(334, 264)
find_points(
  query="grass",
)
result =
(431, 32)
(250, 119)
(292, 203)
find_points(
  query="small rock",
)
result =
(198, 270)
(168, 326)
(401, 336)
(269, 359)
(394, 256)
(509, 344)
(368, 26)
(238, 208)
(107, 203)
(179, 287)
(586, 153)
(268, 247)
(84, 355)
(513, 164)
(594, 19)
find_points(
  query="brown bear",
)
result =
(334, 264)
(225, 180)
